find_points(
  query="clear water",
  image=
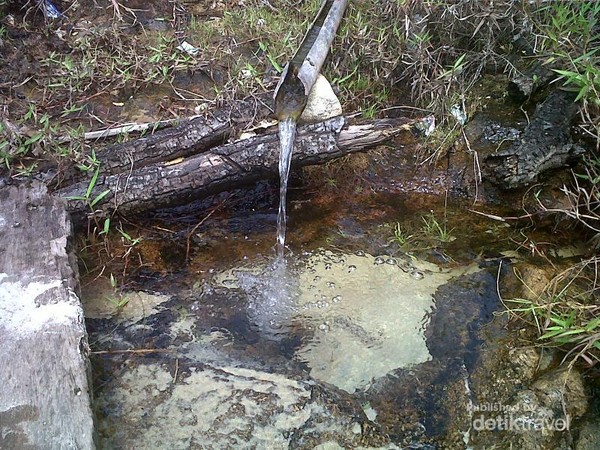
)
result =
(271, 290)
(287, 133)
(363, 316)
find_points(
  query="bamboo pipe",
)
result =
(300, 74)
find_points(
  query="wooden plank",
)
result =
(45, 398)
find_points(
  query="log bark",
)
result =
(544, 145)
(226, 167)
(190, 137)
(45, 398)
(525, 85)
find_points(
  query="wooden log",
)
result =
(189, 137)
(544, 145)
(226, 167)
(45, 396)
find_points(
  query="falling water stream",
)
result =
(287, 133)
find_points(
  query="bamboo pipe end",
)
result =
(290, 95)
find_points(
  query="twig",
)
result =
(476, 166)
(189, 236)
(127, 128)
(499, 218)
(176, 370)
(134, 351)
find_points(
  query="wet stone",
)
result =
(377, 328)
(238, 407)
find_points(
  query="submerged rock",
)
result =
(221, 407)
(589, 435)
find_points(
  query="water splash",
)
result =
(287, 133)
(272, 291)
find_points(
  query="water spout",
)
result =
(300, 74)
(287, 133)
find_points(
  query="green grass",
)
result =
(99, 61)
(401, 236)
(436, 229)
(566, 315)
(432, 231)
(568, 43)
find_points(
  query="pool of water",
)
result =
(239, 347)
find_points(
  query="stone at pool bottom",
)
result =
(367, 314)
(227, 407)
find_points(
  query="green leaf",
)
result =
(567, 73)
(593, 324)
(106, 227)
(125, 235)
(572, 332)
(551, 334)
(100, 197)
(559, 321)
(582, 93)
(92, 183)
(459, 61)
(33, 139)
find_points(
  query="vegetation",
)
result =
(401, 236)
(569, 44)
(433, 51)
(433, 231)
(567, 313)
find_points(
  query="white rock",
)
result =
(322, 103)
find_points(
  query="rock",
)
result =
(589, 435)
(525, 362)
(536, 418)
(544, 145)
(45, 399)
(226, 407)
(563, 390)
(535, 281)
(322, 103)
